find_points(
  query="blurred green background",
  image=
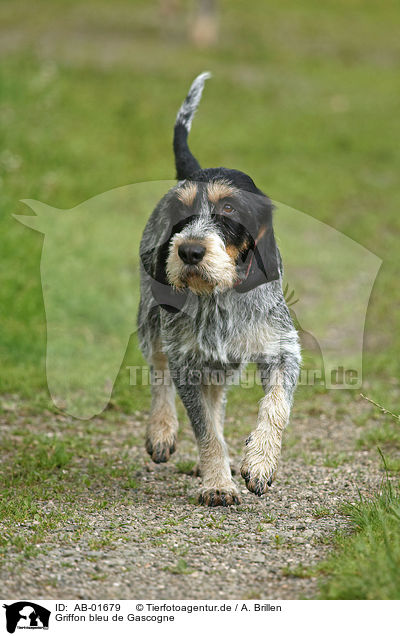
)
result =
(305, 98)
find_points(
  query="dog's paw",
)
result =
(160, 450)
(224, 496)
(161, 437)
(258, 485)
(259, 464)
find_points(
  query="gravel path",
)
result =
(152, 541)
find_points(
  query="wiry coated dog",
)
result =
(212, 301)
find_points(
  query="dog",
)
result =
(211, 302)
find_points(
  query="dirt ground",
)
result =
(153, 541)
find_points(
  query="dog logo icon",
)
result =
(26, 615)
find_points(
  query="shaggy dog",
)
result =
(211, 302)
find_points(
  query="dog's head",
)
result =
(220, 233)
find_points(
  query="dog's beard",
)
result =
(216, 272)
(196, 279)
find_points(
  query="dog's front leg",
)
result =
(205, 408)
(263, 446)
(163, 423)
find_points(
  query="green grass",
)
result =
(317, 138)
(393, 464)
(321, 512)
(333, 460)
(185, 467)
(88, 96)
(180, 568)
(215, 522)
(223, 537)
(278, 541)
(61, 469)
(386, 435)
(366, 565)
(298, 572)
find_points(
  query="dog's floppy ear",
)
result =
(262, 264)
(164, 294)
(154, 262)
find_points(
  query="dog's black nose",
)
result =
(191, 253)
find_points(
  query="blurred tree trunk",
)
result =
(203, 20)
(203, 27)
(169, 8)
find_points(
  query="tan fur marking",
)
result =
(163, 423)
(187, 193)
(233, 252)
(198, 285)
(219, 190)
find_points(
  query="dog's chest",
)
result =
(222, 332)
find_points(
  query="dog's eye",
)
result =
(228, 208)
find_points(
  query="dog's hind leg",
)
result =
(263, 446)
(163, 423)
(205, 407)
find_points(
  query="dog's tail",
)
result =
(185, 163)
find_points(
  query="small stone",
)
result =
(258, 557)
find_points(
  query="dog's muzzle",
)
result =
(203, 264)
